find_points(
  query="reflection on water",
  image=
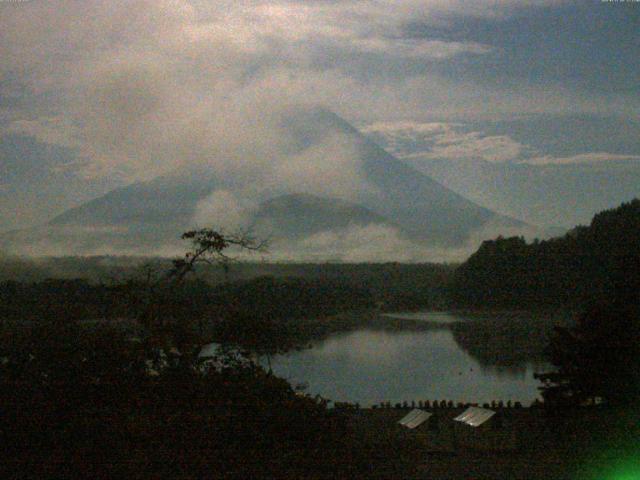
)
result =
(370, 366)
(430, 317)
(516, 371)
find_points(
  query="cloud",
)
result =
(140, 87)
(351, 244)
(585, 158)
(145, 86)
(416, 141)
(407, 138)
(178, 85)
(331, 168)
(412, 140)
(384, 243)
(360, 244)
(494, 148)
(230, 212)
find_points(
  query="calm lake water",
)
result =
(371, 366)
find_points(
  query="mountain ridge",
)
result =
(152, 214)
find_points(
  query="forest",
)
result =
(588, 264)
(119, 351)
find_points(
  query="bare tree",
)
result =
(208, 246)
(156, 287)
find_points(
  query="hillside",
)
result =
(538, 194)
(588, 263)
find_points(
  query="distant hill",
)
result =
(37, 182)
(588, 263)
(149, 216)
(299, 215)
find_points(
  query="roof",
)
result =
(415, 418)
(475, 416)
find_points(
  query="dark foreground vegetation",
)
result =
(104, 399)
(593, 270)
(394, 286)
(265, 314)
(87, 402)
(598, 359)
(105, 379)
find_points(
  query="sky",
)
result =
(98, 94)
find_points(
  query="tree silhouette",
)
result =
(589, 263)
(599, 357)
(153, 295)
(208, 246)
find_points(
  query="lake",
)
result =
(370, 366)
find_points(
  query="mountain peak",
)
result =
(397, 197)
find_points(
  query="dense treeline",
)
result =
(593, 271)
(318, 291)
(587, 264)
(263, 315)
(597, 358)
(394, 285)
(192, 300)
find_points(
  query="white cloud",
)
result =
(230, 212)
(413, 140)
(585, 158)
(144, 86)
(417, 141)
(330, 168)
(493, 148)
(384, 243)
(360, 244)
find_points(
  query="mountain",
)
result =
(165, 200)
(37, 182)
(149, 216)
(552, 194)
(296, 216)
(423, 207)
(546, 170)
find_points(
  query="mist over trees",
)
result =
(81, 394)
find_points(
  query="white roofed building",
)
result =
(415, 418)
(475, 416)
(483, 429)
